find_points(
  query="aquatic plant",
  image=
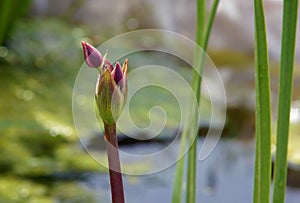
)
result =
(110, 96)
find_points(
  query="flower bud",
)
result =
(92, 56)
(111, 92)
(111, 89)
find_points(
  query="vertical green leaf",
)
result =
(285, 93)
(262, 176)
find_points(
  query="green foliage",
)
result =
(288, 41)
(10, 10)
(18, 190)
(262, 177)
(37, 135)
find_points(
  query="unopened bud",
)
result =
(92, 56)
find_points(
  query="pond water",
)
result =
(226, 176)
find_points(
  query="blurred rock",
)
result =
(293, 177)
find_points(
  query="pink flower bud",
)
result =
(111, 89)
(92, 56)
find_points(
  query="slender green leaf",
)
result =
(209, 24)
(262, 177)
(285, 93)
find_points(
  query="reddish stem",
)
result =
(115, 175)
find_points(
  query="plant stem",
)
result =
(262, 177)
(285, 94)
(177, 188)
(192, 153)
(115, 175)
(202, 37)
(191, 126)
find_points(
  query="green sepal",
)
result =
(110, 99)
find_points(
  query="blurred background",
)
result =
(41, 158)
